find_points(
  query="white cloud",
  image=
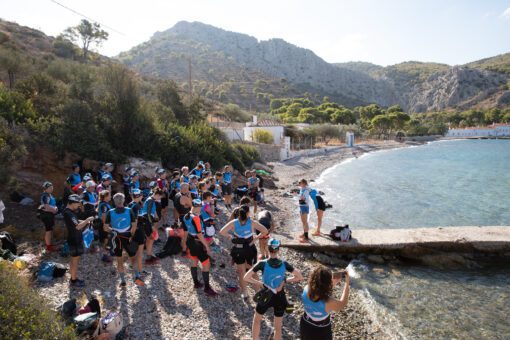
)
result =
(506, 13)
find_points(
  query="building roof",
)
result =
(268, 122)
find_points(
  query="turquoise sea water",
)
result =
(450, 183)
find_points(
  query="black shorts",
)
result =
(145, 225)
(48, 219)
(197, 249)
(164, 202)
(140, 236)
(321, 205)
(253, 193)
(121, 242)
(76, 250)
(278, 302)
(247, 254)
(312, 330)
(226, 189)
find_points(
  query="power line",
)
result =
(86, 17)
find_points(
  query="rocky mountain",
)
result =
(233, 67)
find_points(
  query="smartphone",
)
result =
(340, 275)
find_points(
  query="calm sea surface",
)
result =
(448, 183)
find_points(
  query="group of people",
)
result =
(128, 222)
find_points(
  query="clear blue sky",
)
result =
(379, 31)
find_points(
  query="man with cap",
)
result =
(89, 198)
(105, 184)
(74, 178)
(272, 287)
(163, 185)
(139, 237)
(48, 209)
(74, 236)
(148, 218)
(121, 222)
(106, 169)
(198, 247)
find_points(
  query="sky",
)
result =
(383, 32)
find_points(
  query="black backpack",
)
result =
(172, 247)
(7, 242)
(341, 233)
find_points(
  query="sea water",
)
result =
(447, 183)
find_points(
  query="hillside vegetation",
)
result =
(97, 108)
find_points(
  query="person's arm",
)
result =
(133, 223)
(251, 277)
(257, 226)
(233, 215)
(84, 223)
(106, 226)
(296, 276)
(225, 230)
(210, 211)
(184, 238)
(338, 305)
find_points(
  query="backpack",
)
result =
(341, 233)
(7, 242)
(112, 324)
(87, 325)
(49, 270)
(172, 247)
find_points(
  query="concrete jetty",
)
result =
(411, 243)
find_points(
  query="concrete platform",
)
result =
(411, 242)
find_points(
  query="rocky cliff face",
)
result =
(220, 56)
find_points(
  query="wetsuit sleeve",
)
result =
(108, 218)
(288, 267)
(259, 267)
(197, 223)
(149, 211)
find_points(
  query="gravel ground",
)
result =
(168, 307)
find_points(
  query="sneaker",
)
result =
(139, 282)
(123, 284)
(198, 285)
(77, 283)
(105, 258)
(210, 292)
(152, 260)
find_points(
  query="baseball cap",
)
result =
(106, 177)
(137, 192)
(110, 165)
(47, 184)
(161, 171)
(74, 198)
(197, 202)
(274, 244)
(153, 184)
(90, 184)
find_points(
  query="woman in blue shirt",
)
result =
(318, 303)
(48, 210)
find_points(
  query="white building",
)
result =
(494, 130)
(273, 127)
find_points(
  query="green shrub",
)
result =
(248, 153)
(25, 314)
(262, 136)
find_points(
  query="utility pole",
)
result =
(189, 80)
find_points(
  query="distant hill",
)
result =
(234, 67)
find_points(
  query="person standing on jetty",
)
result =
(272, 284)
(318, 303)
(320, 207)
(304, 208)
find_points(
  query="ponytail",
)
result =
(243, 212)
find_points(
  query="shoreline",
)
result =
(357, 320)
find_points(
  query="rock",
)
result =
(145, 168)
(378, 259)
(260, 166)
